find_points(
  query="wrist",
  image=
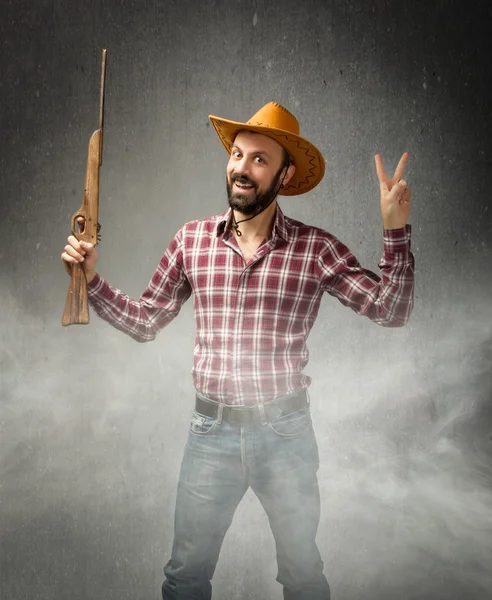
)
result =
(393, 225)
(90, 276)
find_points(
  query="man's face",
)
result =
(254, 172)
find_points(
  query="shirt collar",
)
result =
(222, 222)
(279, 226)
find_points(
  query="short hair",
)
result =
(287, 158)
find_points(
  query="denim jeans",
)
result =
(279, 460)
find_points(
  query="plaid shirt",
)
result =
(252, 321)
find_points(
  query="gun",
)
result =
(77, 303)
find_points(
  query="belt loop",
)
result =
(220, 410)
(261, 410)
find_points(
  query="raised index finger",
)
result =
(401, 167)
(380, 168)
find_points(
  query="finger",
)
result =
(68, 259)
(81, 224)
(397, 191)
(406, 196)
(87, 246)
(401, 167)
(382, 176)
(73, 253)
(74, 242)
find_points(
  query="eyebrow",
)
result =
(236, 147)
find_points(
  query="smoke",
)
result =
(406, 471)
(92, 425)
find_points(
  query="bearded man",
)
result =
(257, 278)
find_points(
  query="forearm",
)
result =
(136, 318)
(394, 293)
(142, 319)
(89, 275)
(387, 300)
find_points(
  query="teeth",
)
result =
(243, 185)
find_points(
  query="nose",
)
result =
(242, 167)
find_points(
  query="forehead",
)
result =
(249, 141)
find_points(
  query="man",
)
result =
(257, 278)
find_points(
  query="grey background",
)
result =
(93, 425)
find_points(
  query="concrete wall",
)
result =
(93, 425)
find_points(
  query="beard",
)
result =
(255, 204)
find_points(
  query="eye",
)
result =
(236, 154)
(259, 159)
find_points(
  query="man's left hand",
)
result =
(395, 194)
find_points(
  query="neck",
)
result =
(259, 227)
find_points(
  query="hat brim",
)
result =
(307, 159)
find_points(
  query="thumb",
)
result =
(398, 190)
(87, 246)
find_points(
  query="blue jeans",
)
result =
(279, 460)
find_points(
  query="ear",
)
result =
(290, 173)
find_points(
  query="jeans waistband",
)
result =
(256, 413)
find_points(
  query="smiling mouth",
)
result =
(243, 186)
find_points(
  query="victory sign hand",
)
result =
(395, 194)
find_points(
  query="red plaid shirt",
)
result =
(252, 321)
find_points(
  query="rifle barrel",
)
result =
(101, 104)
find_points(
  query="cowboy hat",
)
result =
(278, 123)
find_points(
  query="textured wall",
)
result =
(93, 425)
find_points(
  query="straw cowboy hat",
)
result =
(278, 123)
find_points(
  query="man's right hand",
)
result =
(83, 253)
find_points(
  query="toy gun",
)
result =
(85, 226)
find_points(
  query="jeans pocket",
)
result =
(293, 424)
(201, 424)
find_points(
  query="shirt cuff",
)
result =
(397, 241)
(95, 285)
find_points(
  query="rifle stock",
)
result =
(77, 303)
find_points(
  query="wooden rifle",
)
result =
(87, 230)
